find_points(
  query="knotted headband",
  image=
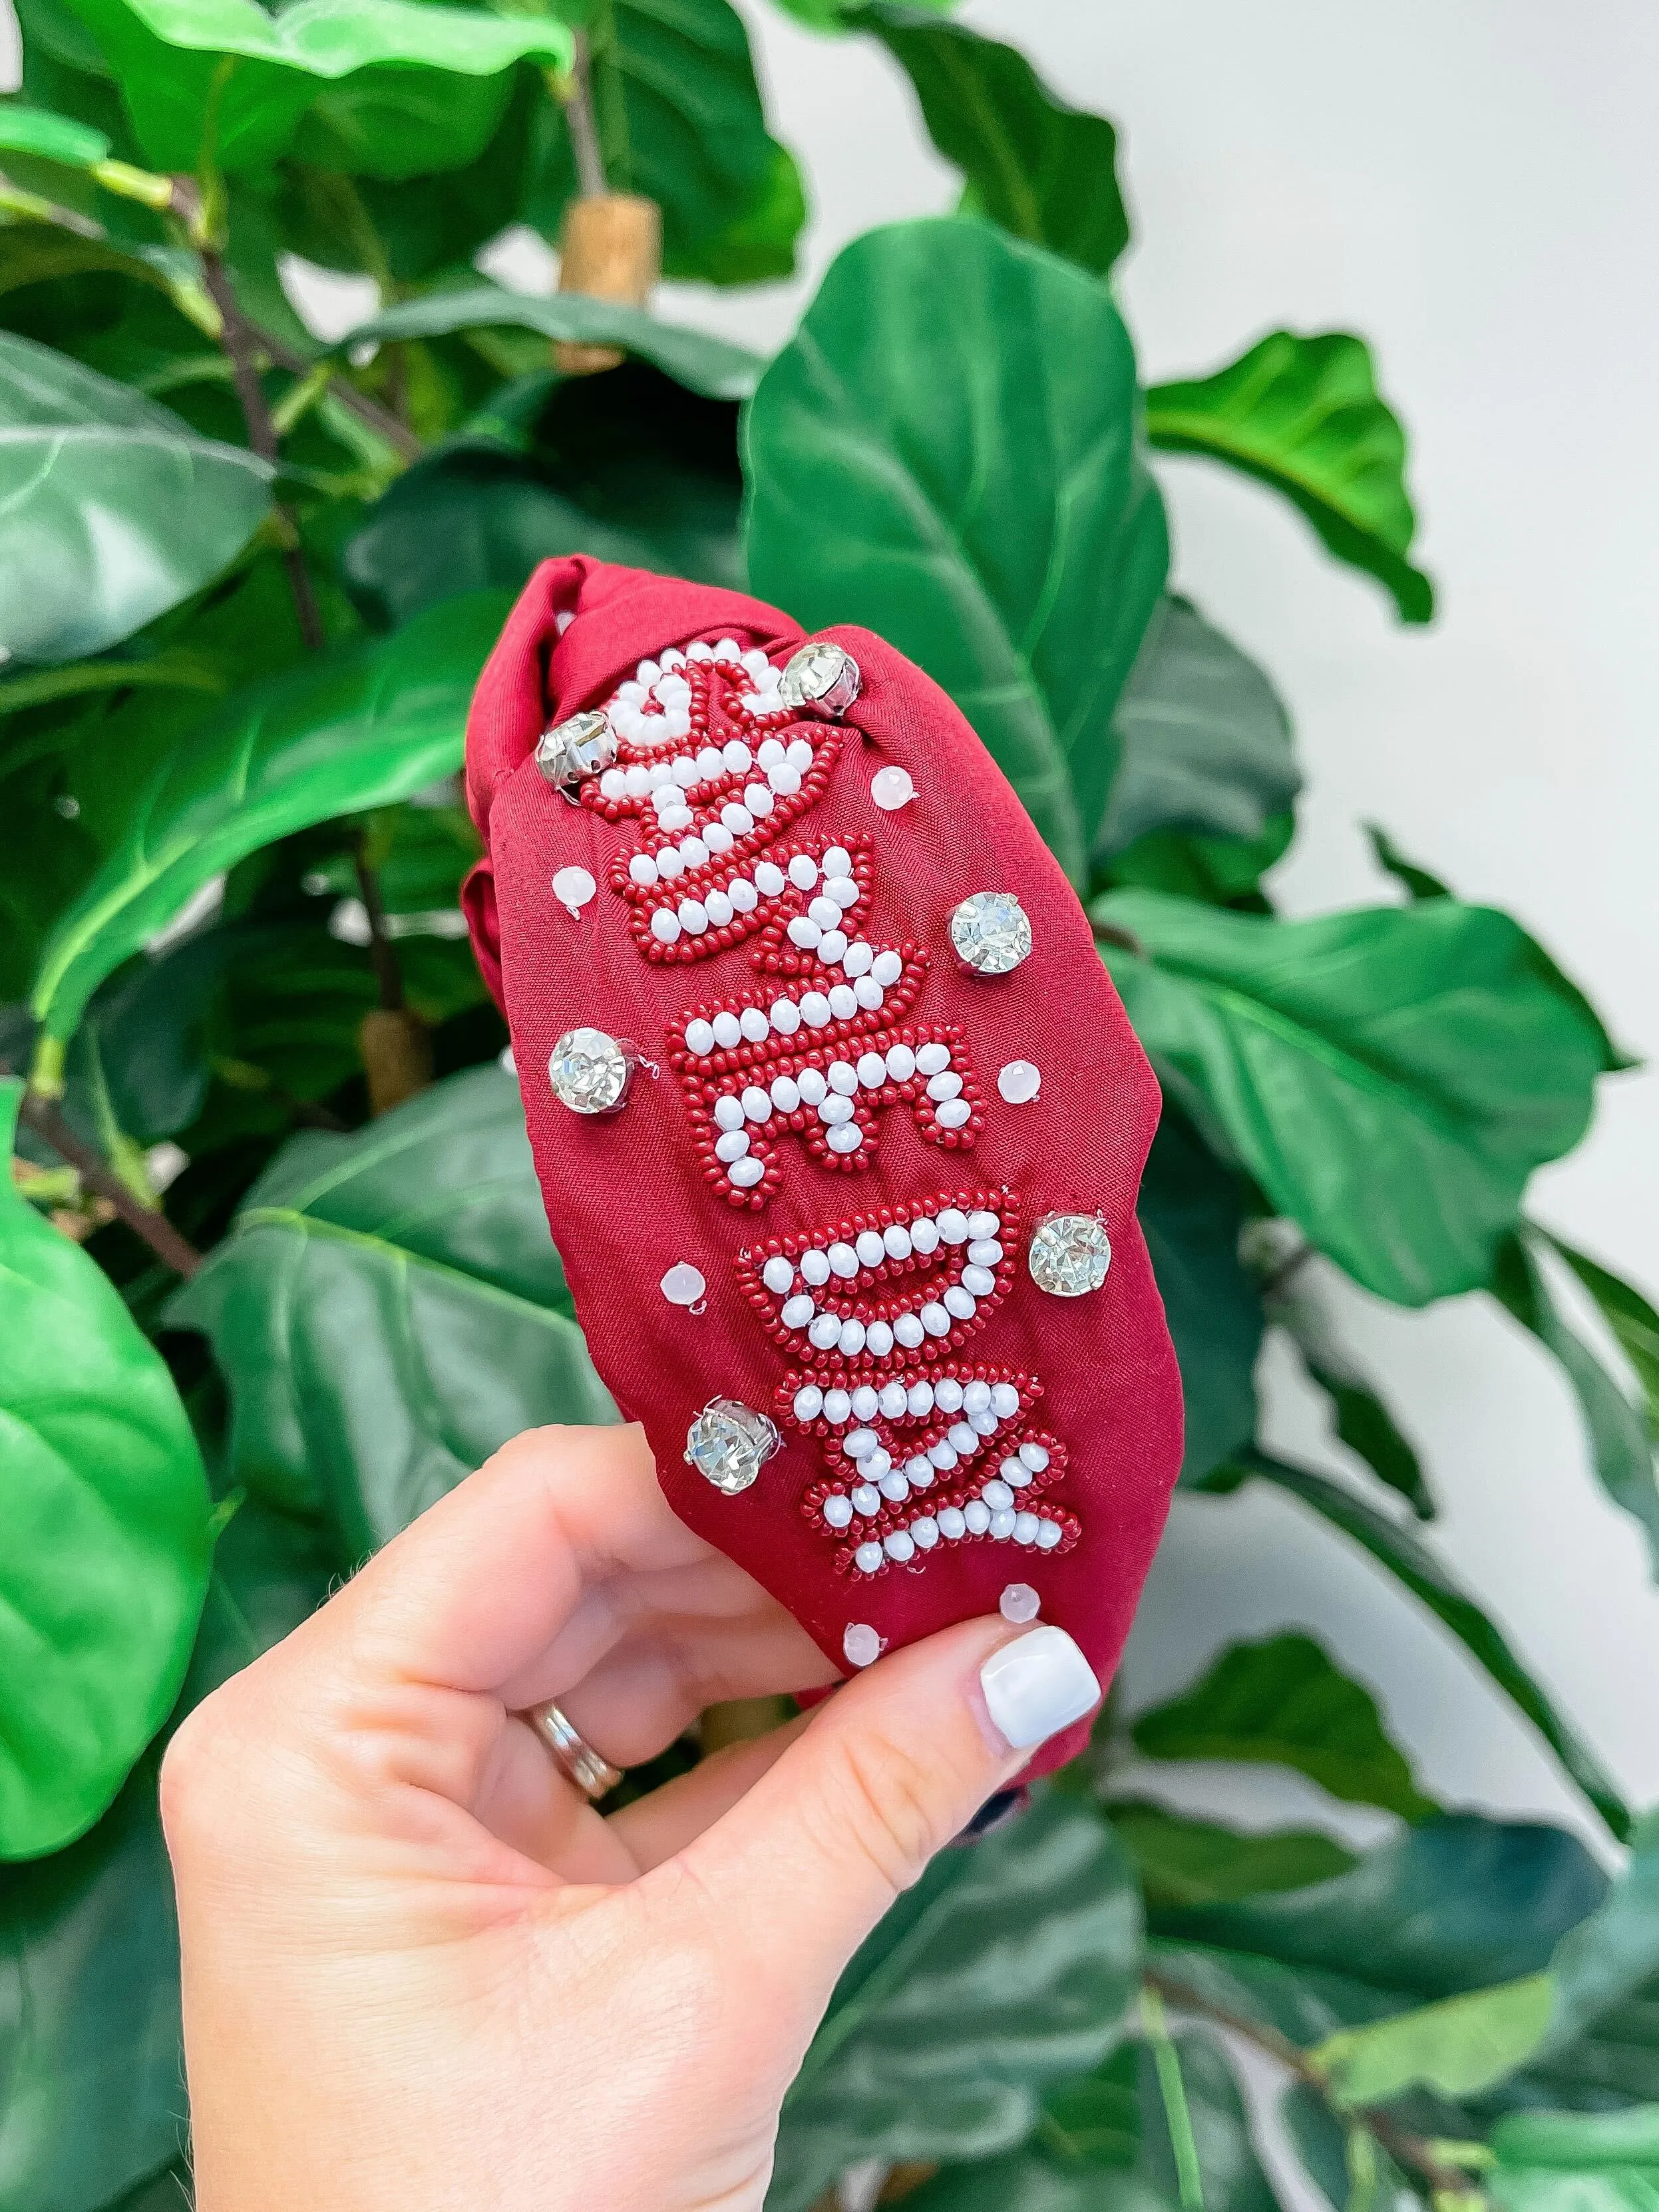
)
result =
(838, 1117)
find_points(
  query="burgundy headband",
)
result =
(838, 1117)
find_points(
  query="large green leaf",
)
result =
(1165, 2113)
(1044, 170)
(1191, 1211)
(626, 466)
(388, 1308)
(1634, 1323)
(170, 58)
(949, 453)
(681, 121)
(1207, 747)
(111, 509)
(1622, 1445)
(1283, 1703)
(1007, 1967)
(1576, 2161)
(1183, 1862)
(49, 138)
(354, 728)
(1361, 1419)
(1602, 2033)
(1459, 2047)
(701, 364)
(1391, 1076)
(1411, 1563)
(104, 1558)
(1304, 415)
(1026, 2181)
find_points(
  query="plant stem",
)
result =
(388, 976)
(576, 93)
(1412, 2151)
(1172, 2091)
(148, 1222)
(1108, 932)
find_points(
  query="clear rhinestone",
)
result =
(1069, 1255)
(990, 932)
(1019, 1603)
(576, 749)
(729, 1443)
(861, 1644)
(892, 787)
(590, 1072)
(821, 676)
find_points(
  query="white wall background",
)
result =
(1473, 189)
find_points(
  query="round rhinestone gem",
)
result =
(590, 1072)
(728, 1444)
(821, 676)
(990, 932)
(580, 746)
(1068, 1254)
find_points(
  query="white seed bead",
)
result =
(947, 1394)
(718, 908)
(859, 1443)
(802, 871)
(746, 1172)
(753, 1023)
(728, 1112)
(836, 861)
(756, 1105)
(642, 869)
(670, 864)
(1048, 1534)
(809, 1402)
(846, 1137)
(919, 1472)
(866, 1403)
(815, 1010)
(837, 1406)
(804, 932)
(843, 1002)
(728, 1030)
(983, 1224)
(857, 958)
(980, 1281)
(832, 945)
(963, 1437)
(783, 779)
(757, 798)
(1004, 1400)
(977, 1514)
(784, 1017)
(868, 992)
(953, 1227)
(924, 1533)
(844, 891)
(983, 1425)
(1015, 1472)
(768, 752)
(886, 967)
(878, 1340)
(997, 1495)
(984, 1251)
(953, 1524)
(785, 1093)
(934, 1059)
(908, 1331)
(894, 1486)
(732, 1145)
(976, 1397)
(948, 1085)
(893, 1400)
(868, 1558)
(770, 878)
(1034, 1455)
(873, 1070)
(924, 1234)
(866, 1499)
(737, 819)
(837, 1510)
(843, 1077)
(944, 1454)
(844, 1261)
(900, 1546)
(1002, 1524)
(825, 1332)
(953, 1114)
(934, 1319)
(825, 913)
(709, 763)
(800, 754)
(919, 1399)
(901, 1062)
(851, 1341)
(836, 1109)
(698, 1038)
(896, 1237)
(815, 1268)
(869, 1249)
(666, 925)
(798, 1311)
(743, 895)
(737, 756)
(1025, 1528)
(812, 1087)
(959, 1302)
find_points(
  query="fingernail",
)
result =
(1036, 1686)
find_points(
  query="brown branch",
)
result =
(576, 93)
(388, 976)
(1108, 932)
(379, 419)
(1413, 2151)
(148, 1222)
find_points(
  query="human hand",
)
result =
(421, 1972)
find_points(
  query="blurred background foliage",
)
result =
(247, 580)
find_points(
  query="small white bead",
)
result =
(737, 756)
(984, 1251)
(844, 1261)
(997, 1495)
(756, 662)
(873, 1070)
(642, 869)
(770, 878)
(825, 913)
(843, 1002)
(737, 819)
(868, 1558)
(900, 1546)
(783, 779)
(981, 1223)
(859, 1443)
(851, 1341)
(613, 784)
(815, 1010)
(886, 967)
(804, 932)
(976, 1397)
(700, 651)
(1015, 1472)
(684, 771)
(866, 1404)
(1018, 1082)
(785, 1016)
(665, 925)
(800, 754)
(1004, 1400)
(1048, 1534)
(837, 1511)
(980, 1281)
(673, 658)
(698, 1038)
(718, 908)
(732, 1145)
(953, 1225)
(785, 1093)
(843, 1077)
(809, 1402)
(878, 1341)
(925, 1532)
(843, 892)
(769, 753)
(869, 1249)
(832, 945)
(983, 1425)
(934, 1059)
(944, 1454)
(1002, 1524)
(894, 1488)
(709, 763)
(757, 798)
(694, 916)
(670, 865)
(866, 1499)
(647, 672)
(728, 1030)
(959, 1302)
(1034, 1455)
(814, 1268)
(674, 818)
(860, 1646)
(746, 1172)
(908, 1331)
(977, 1514)
(947, 1394)
(756, 1103)
(924, 1234)
(633, 693)
(901, 1063)
(934, 1319)
(963, 1437)
(743, 895)
(824, 1332)
(952, 1523)
(802, 871)
(754, 1024)
(835, 1110)
(798, 1311)
(638, 780)
(728, 1112)
(893, 1400)
(812, 1087)
(1025, 1528)
(919, 1399)
(896, 1237)
(947, 1085)
(919, 1472)
(868, 992)
(857, 958)
(837, 1406)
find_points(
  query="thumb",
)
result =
(889, 1769)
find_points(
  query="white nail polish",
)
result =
(1036, 1686)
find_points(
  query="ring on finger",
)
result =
(577, 1760)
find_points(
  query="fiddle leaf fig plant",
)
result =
(248, 577)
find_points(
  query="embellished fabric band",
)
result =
(839, 1121)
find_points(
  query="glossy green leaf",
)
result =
(1413, 1565)
(1391, 1076)
(354, 728)
(948, 452)
(1304, 415)
(1025, 2181)
(114, 508)
(703, 364)
(168, 57)
(1044, 170)
(1622, 1445)
(681, 121)
(1361, 1419)
(1191, 1211)
(1097, 2120)
(388, 1310)
(1185, 1862)
(1219, 870)
(104, 1556)
(1634, 1323)
(1576, 2161)
(1165, 2113)
(1459, 2047)
(49, 138)
(1603, 2025)
(1283, 1703)
(1206, 746)
(626, 466)
(1006, 1967)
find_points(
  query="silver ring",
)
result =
(578, 1761)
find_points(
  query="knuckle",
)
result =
(195, 1802)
